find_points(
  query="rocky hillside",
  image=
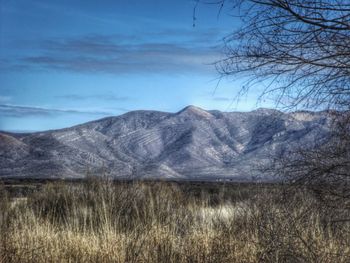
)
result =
(190, 144)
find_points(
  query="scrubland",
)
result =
(105, 221)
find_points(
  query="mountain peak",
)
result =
(194, 110)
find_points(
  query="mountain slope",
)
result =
(190, 144)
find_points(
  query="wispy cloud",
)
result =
(103, 97)
(120, 54)
(17, 111)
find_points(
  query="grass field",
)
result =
(104, 221)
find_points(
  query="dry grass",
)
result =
(99, 221)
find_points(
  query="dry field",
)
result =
(102, 221)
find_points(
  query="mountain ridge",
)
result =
(192, 143)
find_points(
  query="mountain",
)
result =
(190, 144)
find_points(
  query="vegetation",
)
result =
(298, 52)
(104, 221)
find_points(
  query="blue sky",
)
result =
(67, 62)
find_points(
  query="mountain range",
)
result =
(191, 144)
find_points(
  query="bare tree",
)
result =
(323, 166)
(300, 51)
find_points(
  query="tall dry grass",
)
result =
(101, 221)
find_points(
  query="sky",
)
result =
(65, 62)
